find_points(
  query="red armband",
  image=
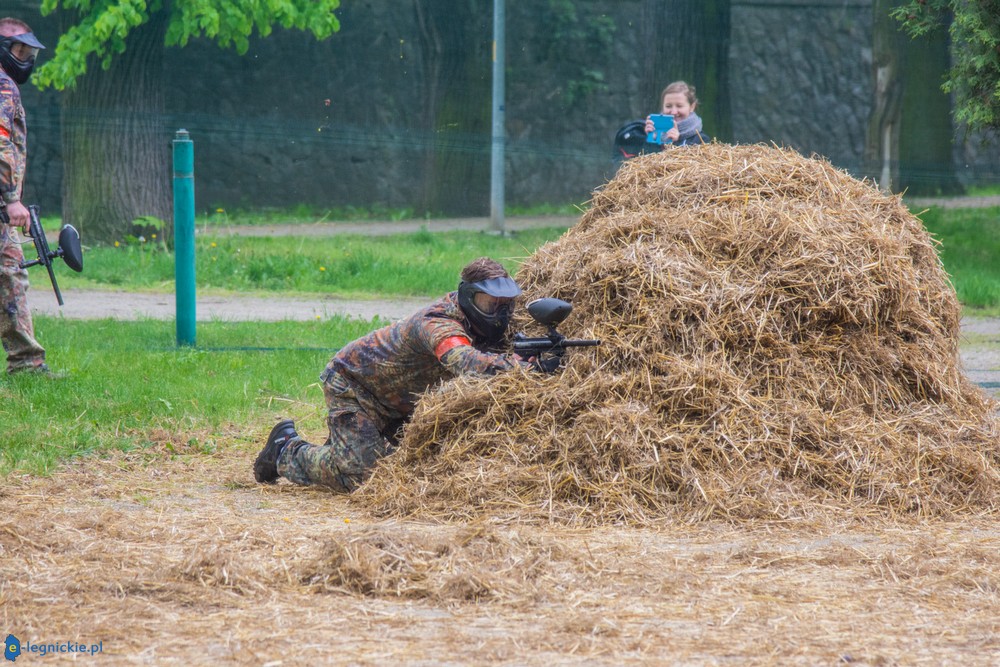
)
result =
(450, 343)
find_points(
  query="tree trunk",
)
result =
(455, 39)
(115, 151)
(715, 107)
(690, 41)
(881, 157)
(927, 140)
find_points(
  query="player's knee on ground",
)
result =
(354, 447)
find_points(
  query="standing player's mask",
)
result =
(18, 69)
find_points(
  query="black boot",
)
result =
(265, 468)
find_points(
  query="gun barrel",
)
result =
(42, 248)
(55, 285)
(544, 344)
(580, 342)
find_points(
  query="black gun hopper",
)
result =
(550, 312)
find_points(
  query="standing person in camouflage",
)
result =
(18, 48)
(371, 385)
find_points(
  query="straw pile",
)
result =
(780, 340)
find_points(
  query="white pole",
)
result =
(497, 148)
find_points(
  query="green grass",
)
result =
(416, 264)
(970, 252)
(128, 379)
(984, 190)
(215, 217)
(570, 210)
(220, 217)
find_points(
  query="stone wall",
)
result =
(801, 75)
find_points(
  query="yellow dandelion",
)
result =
(117, 244)
(347, 520)
(322, 268)
(213, 244)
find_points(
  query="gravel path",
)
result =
(954, 202)
(94, 304)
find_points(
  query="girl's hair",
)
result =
(680, 87)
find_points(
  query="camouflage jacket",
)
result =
(393, 365)
(13, 140)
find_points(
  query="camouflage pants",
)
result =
(16, 329)
(359, 436)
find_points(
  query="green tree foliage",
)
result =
(104, 25)
(974, 77)
(109, 61)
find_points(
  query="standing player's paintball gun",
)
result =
(69, 247)
(550, 312)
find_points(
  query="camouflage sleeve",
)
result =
(465, 359)
(9, 185)
(451, 344)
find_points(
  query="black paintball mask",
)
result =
(17, 69)
(489, 305)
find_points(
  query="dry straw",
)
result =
(780, 341)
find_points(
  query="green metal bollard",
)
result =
(184, 237)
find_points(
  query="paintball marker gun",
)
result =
(550, 312)
(69, 247)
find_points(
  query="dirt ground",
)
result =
(175, 556)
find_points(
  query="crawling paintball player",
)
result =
(371, 386)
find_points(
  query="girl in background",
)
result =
(679, 100)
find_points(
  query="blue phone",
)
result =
(661, 125)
